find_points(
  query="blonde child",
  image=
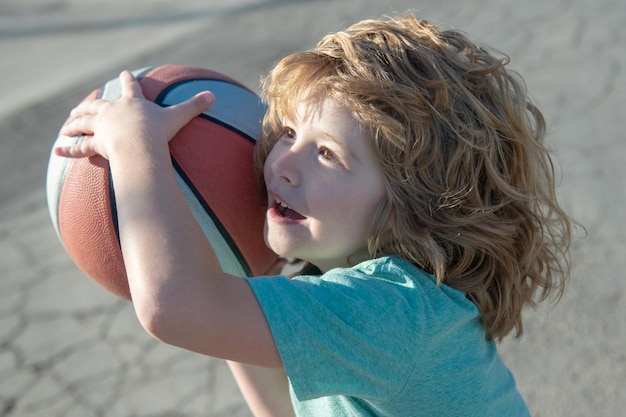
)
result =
(407, 167)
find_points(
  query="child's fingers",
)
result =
(78, 125)
(130, 85)
(86, 108)
(81, 150)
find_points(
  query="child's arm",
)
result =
(265, 390)
(180, 294)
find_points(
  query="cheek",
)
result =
(368, 207)
(267, 168)
(355, 208)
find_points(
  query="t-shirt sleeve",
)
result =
(348, 332)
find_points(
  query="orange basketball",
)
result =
(212, 156)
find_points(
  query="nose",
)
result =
(284, 164)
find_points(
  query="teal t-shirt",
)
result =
(383, 339)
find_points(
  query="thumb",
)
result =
(193, 106)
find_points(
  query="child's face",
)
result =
(325, 171)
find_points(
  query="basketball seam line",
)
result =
(218, 224)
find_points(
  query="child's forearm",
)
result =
(265, 390)
(159, 239)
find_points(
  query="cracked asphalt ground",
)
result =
(68, 348)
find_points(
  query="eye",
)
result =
(289, 132)
(330, 156)
(327, 153)
(286, 136)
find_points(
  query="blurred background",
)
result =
(68, 348)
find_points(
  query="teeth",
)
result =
(283, 205)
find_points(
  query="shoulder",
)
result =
(378, 288)
(380, 278)
(388, 273)
(383, 271)
(400, 277)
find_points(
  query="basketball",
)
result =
(212, 156)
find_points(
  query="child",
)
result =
(408, 166)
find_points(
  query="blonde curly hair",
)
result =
(470, 183)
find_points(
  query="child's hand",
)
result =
(111, 124)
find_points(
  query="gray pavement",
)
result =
(68, 348)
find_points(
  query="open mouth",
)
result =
(286, 211)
